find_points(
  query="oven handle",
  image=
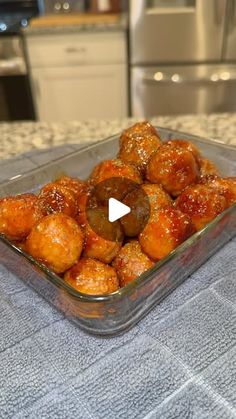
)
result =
(12, 66)
(180, 79)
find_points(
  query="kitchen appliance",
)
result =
(15, 94)
(182, 56)
(64, 6)
(93, 6)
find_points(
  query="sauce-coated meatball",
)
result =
(56, 241)
(224, 186)
(114, 168)
(76, 186)
(201, 203)
(93, 277)
(143, 201)
(207, 167)
(157, 196)
(137, 150)
(18, 215)
(54, 198)
(103, 239)
(187, 145)
(113, 178)
(131, 262)
(139, 129)
(172, 167)
(167, 229)
(134, 222)
(83, 200)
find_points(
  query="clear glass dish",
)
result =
(116, 312)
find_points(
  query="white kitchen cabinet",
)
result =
(79, 76)
(89, 91)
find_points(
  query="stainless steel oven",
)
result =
(15, 93)
(183, 56)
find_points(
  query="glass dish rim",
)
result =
(143, 278)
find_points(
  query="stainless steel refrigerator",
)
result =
(182, 56)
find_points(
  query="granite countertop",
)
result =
(120, 25)
(19, 138)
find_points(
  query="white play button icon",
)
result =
(116, 210)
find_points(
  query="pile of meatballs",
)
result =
(185, 192)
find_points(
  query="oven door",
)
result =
(15, 93)
(170, 31)
(181, 90)
(15, 98)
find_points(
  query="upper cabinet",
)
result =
(79, 76)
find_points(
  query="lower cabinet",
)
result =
(80, 92)
(79, 76)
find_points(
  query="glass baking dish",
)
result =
(116, 312)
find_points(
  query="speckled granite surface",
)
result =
(18, 138)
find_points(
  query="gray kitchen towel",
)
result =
(178, 362)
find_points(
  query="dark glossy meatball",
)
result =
(56, 241)
(201, 203)
(165, 230)
(18, 215)
(172, 167)
(131, 262)
(93, 277)
(54, 198)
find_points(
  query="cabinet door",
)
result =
(72, 93)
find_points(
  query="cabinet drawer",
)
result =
(86, 48)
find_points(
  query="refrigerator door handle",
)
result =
(233, 12)
(220, 7)
(228, 50)
(176, 78)
(231, 15)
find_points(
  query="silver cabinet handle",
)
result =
(170, 9)
(75, 50)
